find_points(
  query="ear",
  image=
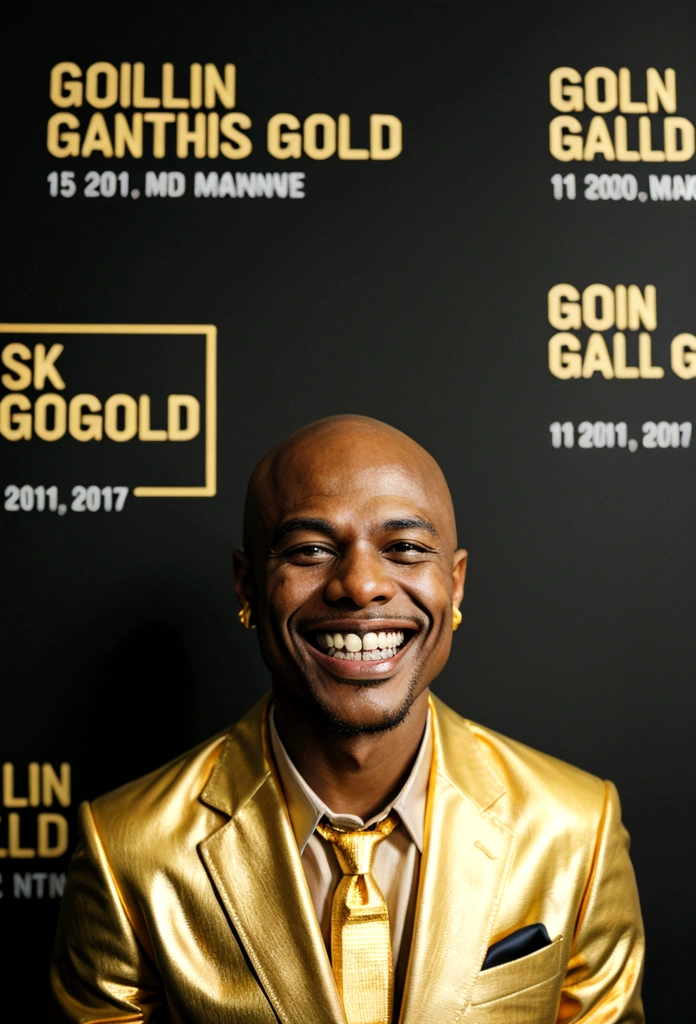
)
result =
(458, 574)
(242, 577)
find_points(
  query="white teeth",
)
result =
(370, 647)
(370, 642)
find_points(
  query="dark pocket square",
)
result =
(520, 943)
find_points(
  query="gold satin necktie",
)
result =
(360, 941)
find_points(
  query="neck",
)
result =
(358, 774)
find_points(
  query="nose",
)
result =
(360, 579)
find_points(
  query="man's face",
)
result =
(353, 575)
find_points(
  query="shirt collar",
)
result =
(306, 809)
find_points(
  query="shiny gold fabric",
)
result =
(187, 902)
(361, 954)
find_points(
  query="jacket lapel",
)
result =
(254, 864)
(465, 864)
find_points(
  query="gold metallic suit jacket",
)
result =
(187, 902)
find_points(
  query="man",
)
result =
(352, 850)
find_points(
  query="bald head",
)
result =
(349, 529)
(340, 456)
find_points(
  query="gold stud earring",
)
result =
(244, 616)
(456, 618)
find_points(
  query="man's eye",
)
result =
(309, 551)
(406, 547)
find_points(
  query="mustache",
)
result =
(306, 624)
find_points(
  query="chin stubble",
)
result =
(340, 727)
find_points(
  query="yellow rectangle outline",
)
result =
(210, 333)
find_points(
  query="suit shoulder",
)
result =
(544, 770)
(529, 776)
(145, 800)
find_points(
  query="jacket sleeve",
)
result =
(603, 978)
(99, 971)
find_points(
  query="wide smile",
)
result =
(366, 649)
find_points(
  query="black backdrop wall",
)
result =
(413, 288)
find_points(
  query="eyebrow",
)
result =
(304, 523)
(410, 524)
(323, 526)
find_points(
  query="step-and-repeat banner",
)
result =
(223, 223)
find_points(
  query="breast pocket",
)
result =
(526, 991)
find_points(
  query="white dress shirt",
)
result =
(397, 858)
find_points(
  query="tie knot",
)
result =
(355, 851)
